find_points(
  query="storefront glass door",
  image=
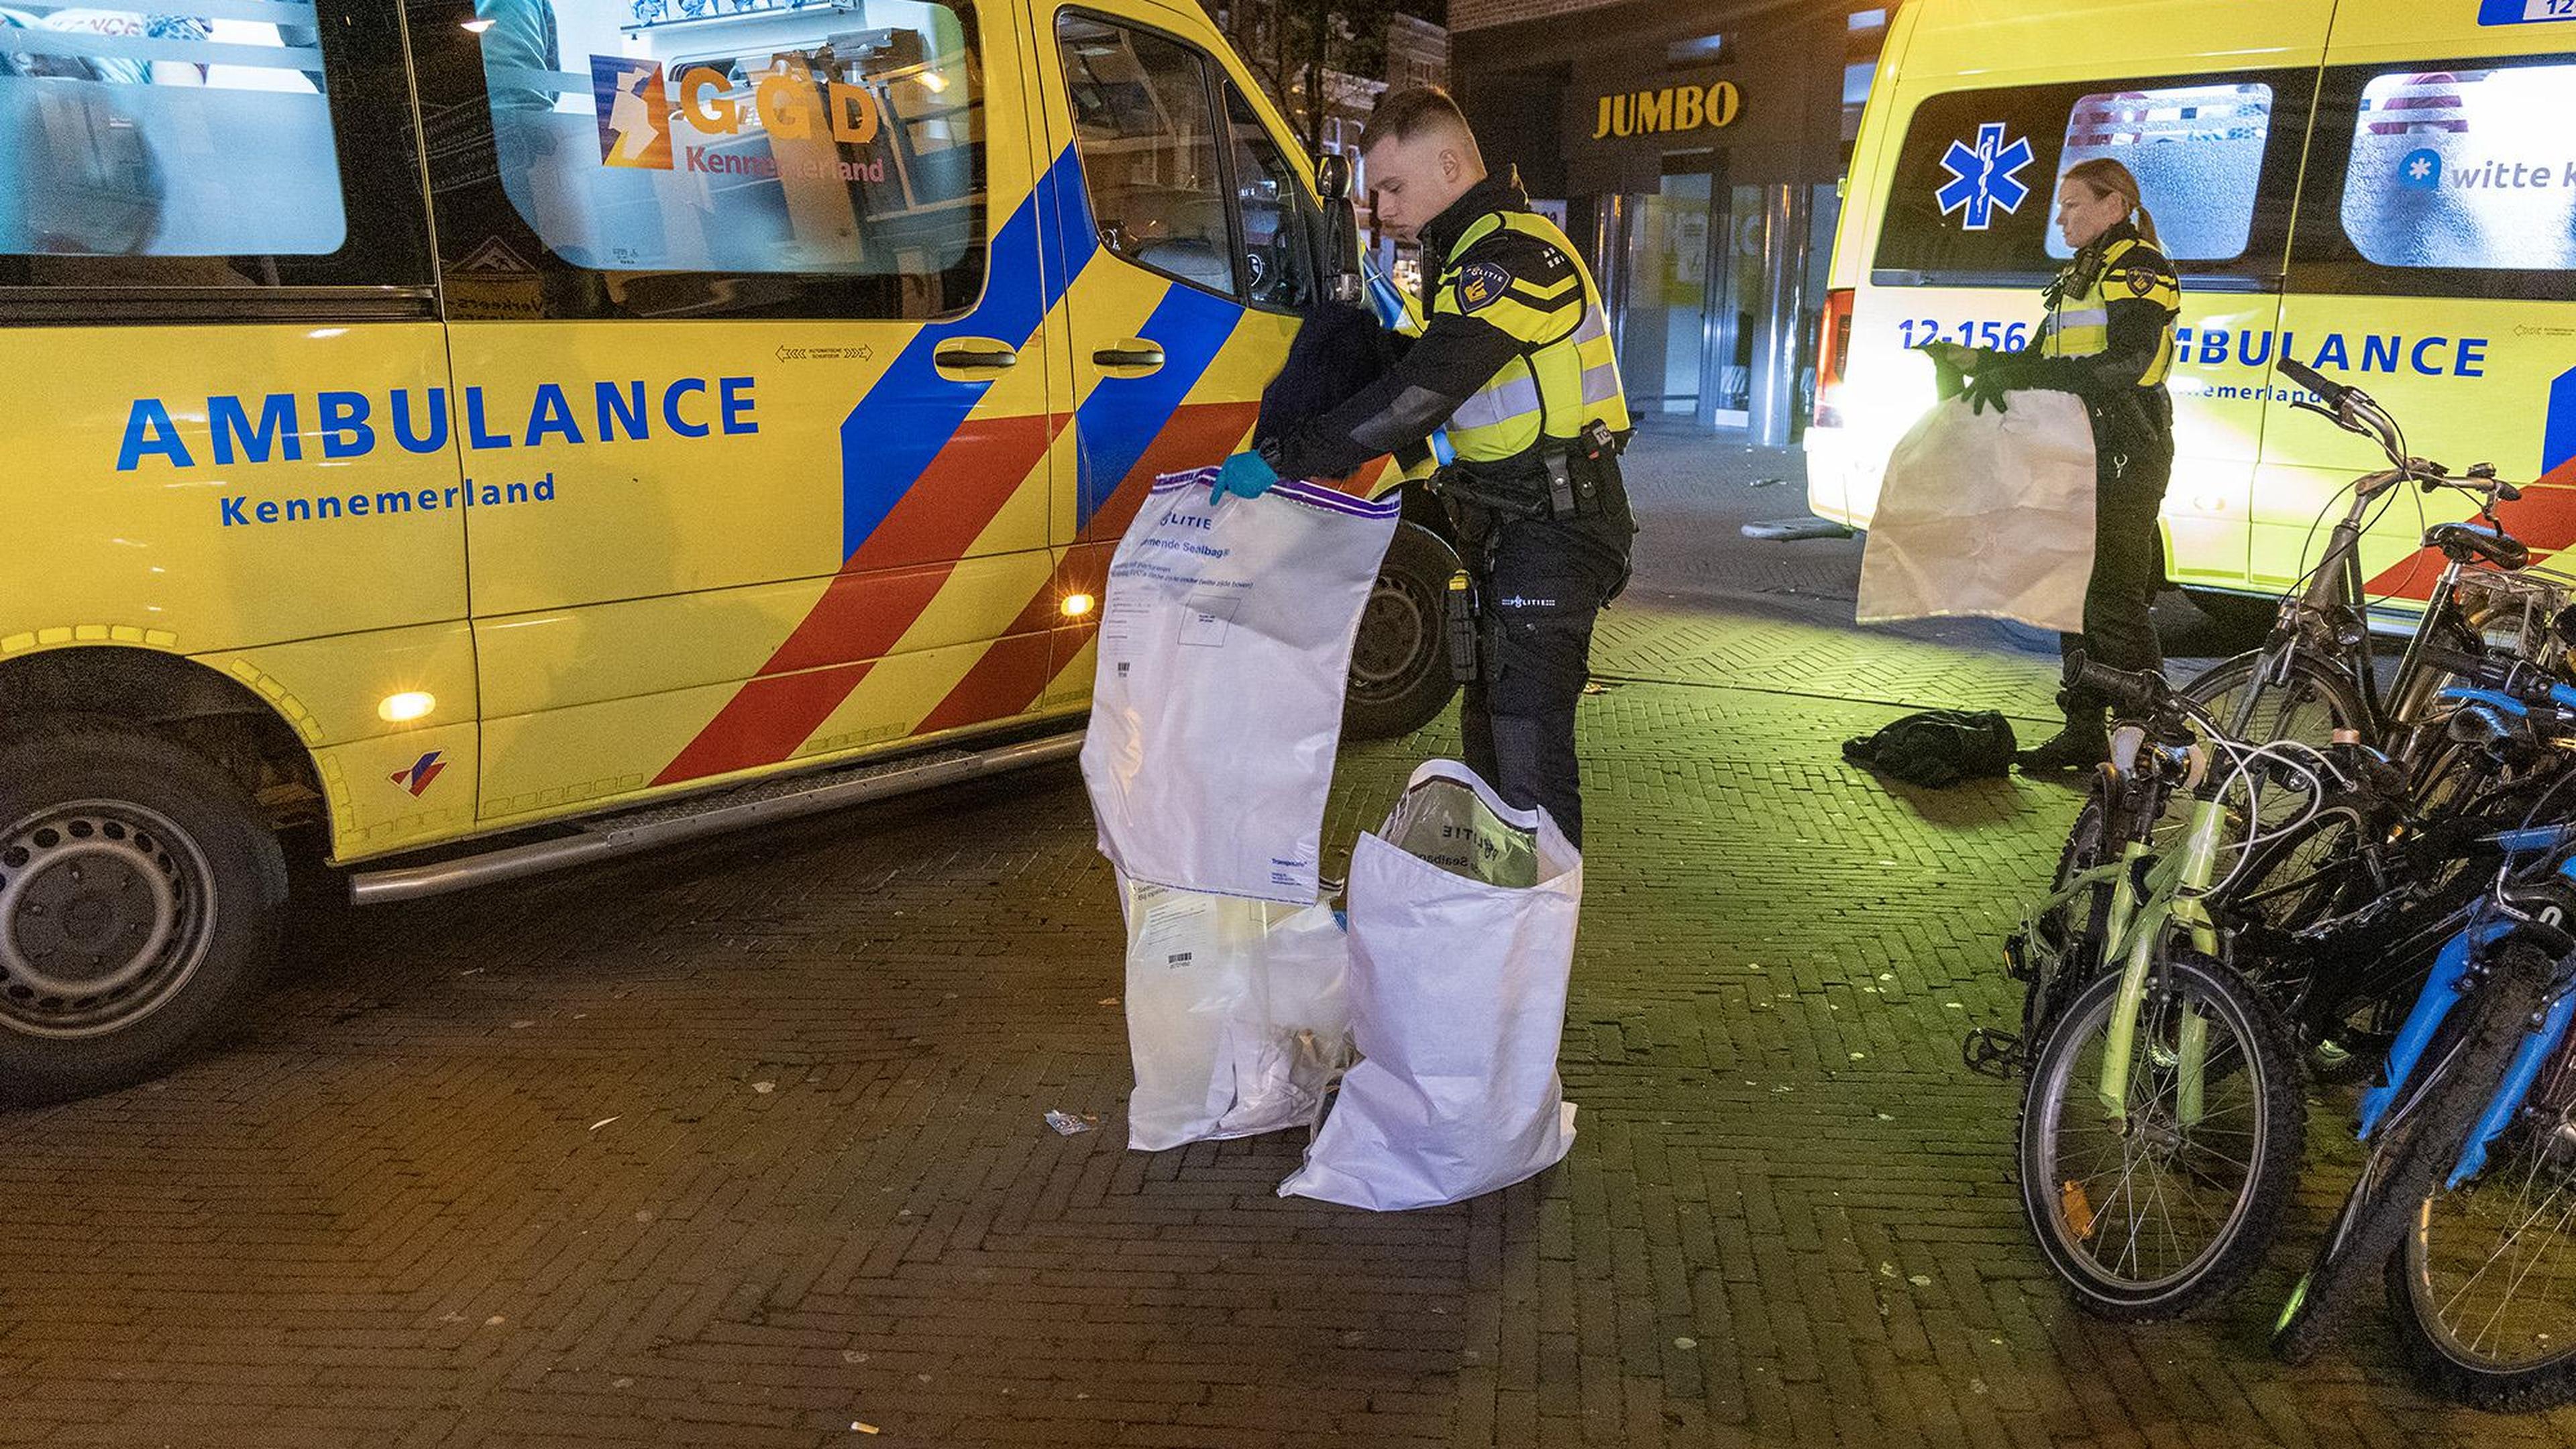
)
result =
(1714, 290)
(1691, 293)
(1666, 263)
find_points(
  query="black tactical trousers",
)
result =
(2133, 455)
(1538, 595)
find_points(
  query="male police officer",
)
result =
(1517, 361)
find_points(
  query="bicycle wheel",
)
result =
(2066, 943)
(2310, 704)
(2312, 874)
(2416, 1143)
(2151, 1220)
(2483, 1287)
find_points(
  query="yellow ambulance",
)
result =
(2384, 190)
(485, 435)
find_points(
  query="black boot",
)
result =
(2084, 743)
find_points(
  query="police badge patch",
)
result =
(1480, 283)
(2141, 281)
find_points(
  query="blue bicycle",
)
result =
(2467, 1202)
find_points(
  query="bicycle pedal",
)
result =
(1992, 1053)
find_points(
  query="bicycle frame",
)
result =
(2335, 605)
(2450, 980)
(2175, 885)
(2141, 915)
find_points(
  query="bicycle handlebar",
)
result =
(2516, 678)
(2316, 382)
(2355, 411)
(2135, 691)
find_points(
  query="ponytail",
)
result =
(2106, 177)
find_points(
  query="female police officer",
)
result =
(2109, 339)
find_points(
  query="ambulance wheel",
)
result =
(1400, 664)
(140, 895)
(2251, 615)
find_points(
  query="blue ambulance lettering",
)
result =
(2430, 356)
(344, 424)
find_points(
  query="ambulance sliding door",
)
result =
(750, 376)
(2432, 264)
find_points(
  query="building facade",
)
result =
(1696, 151)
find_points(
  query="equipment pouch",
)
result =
(1461, 619)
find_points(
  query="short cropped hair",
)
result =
(1405, 114)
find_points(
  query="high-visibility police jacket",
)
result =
(2110, 327)
(1517, 349)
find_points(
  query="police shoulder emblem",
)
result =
(2142, 280)
(1480, 283)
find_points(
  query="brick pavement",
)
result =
(742, 1146)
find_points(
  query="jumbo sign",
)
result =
(1674, 108)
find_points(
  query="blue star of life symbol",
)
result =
(1984, 177)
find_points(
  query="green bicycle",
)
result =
(2163, 1123)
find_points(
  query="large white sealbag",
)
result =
(1987, 515)
(1225, 649)
(1238, 1014)
(1458, 986)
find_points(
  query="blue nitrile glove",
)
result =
(1245, 475)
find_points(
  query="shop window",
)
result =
(2197, 152)
(1698, 50)
(1973, 196)
(1279, 267)
(175, 150)
(2471, 169)
(1142, 118)
(767, 158)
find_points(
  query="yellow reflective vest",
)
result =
(2079, 317)
(1566, 374)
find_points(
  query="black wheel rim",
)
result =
(106, 911)
(1389, 654)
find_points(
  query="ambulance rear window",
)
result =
(695, 151)
(137, 134)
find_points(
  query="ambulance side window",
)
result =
(1279, 220)
(664, 158)
(2197, 151)
(1973, 199)
(1144, 122)
(2444, 179)
(143, 151)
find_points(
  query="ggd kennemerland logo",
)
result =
(806, 119)
(634, 112)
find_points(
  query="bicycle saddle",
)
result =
(2461, 542)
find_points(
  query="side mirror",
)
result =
(1333, 177)
(1338, 241)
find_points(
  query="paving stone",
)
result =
(742, 1145)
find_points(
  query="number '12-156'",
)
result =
(2001, 336)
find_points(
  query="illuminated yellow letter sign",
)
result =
(1674, 108)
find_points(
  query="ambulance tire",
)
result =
(116, 838)
(1400, 679)
(2251, 614)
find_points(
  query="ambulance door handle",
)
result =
(1135, 352)
(974, 355)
